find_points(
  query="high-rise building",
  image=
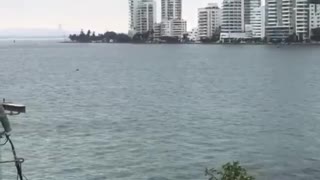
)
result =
(174, 28)
(314, 14)
(233, 25)
(142, 16)
(249, 7)
(258, 22)
(157, 31)
(171, 9)
(233, 16)
(302, 19)
(132, 14)
(172, 23)
(209, 20)
(280, 19)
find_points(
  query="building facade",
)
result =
(157, 31)
(232, 25)
(280, 19)
(194, 35)
(209, 20)
(133, 4)
(249, 8)
(314, 16)
(174, 28)
(171, 9)
(302, 19)
(142, 16)
(258, 22)
(172, 23)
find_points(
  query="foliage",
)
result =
(139, 38)
(143, 37)
(230, 171)
(212, 39)
(315, 34)
(292, 38)
(185, 38)
(90, 36)
(110, 36)
(169, 39)
(123, 38)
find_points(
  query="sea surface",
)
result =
(154, 112)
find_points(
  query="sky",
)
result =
(74, 15)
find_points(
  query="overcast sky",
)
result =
(99, 15)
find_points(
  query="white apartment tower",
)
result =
(174, 28)
(233, 16)
(232, 26)
(280, 20)
(209, 20)
(258, 22)
(142, 16)
(172, 23)
(133, 4)
(171, 9)
(249, 8)
(302, 19)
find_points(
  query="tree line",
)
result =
(91, 36)
(149, 36)
(110, 36)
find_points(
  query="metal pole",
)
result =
(6, 125)
(0, 165)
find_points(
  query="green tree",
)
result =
(100, 37)
(315, 34)
(169, 39)
(123, 38)
(93, 36)
(185, 38)
(214, 38)
(82, 37)
(110, 35)
(88, 33)
(230, 171)
(292, 38)
(73, 37)
(137, 38)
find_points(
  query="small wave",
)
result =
(158, 178)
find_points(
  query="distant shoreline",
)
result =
(256, 44)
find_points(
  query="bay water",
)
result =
(142, 112)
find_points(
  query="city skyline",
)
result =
(98, 15)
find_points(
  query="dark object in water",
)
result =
(18, 108)
(77, 70)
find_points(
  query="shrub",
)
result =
(230, 171)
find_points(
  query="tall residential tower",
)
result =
(171, 9)
(233, 25)
(172, 23)
(280, 19)
(209, 20)
(314, 16)
(302, 19)
(142, 16)
(249, 9)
